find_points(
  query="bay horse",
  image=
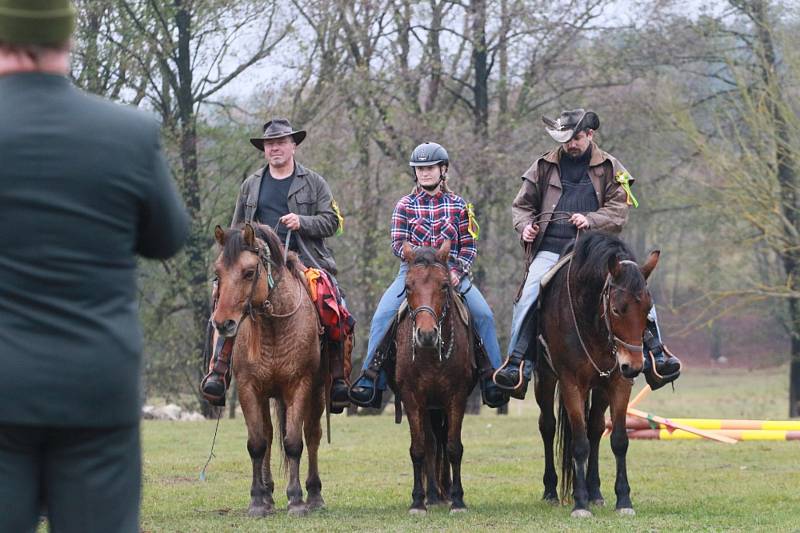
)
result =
(264, 302)
(433, 377)
(593, 315)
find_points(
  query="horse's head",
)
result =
(249, 258)
(427, 291)
(624, 307)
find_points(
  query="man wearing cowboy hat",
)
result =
(287, 196)
(592, 186)
(79, 201)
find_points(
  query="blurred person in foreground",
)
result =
(84, 188)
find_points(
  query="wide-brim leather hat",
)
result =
(275, 129)
(566, 126)
(39, 22)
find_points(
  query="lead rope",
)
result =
(211, 452)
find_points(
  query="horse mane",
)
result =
(426, 256)
(235, 245)
(593, 251)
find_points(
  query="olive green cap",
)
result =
(44, 22)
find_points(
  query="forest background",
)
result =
(698, 100)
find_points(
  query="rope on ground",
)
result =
(211, 452)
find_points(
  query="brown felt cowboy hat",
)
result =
(275, 129)
(565, 127)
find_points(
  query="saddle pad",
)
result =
(460, 305)
(554, 269)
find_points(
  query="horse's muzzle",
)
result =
(227, 328)
(426, 339)
(629, 371)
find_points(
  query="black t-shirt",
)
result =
(273, 202)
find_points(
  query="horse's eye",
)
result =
(445, 286)
(249, 274)
(615, 311)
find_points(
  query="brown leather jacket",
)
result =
(530, 201)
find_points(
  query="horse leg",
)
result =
(619, 445)
(545, 388)
(432, 496)
(574, 403)
(455, 452)
(597, 425)
(313, 432)
(258, 441)
(415, 415)
(296, 407)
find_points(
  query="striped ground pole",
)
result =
(738, 434)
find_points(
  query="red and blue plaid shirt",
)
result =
(427, 220)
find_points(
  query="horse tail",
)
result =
(439, 427)
(279, 408)
(564, 445)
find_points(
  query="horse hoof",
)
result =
(457, 510)
(626, 511)
(315, 503)
(599, 502)
(552, 500)
(417, 512)
(298, 510)
(260, 511)
(581, 513)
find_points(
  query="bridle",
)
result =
(439, 324)
(266, 307)
(605, 300)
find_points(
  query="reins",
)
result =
(613, 340)
(266, 308)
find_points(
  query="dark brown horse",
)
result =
(433, 377)
(593, 315)
(265, 304)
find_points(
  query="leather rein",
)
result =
(439, 324)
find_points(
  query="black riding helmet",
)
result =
(427, 154)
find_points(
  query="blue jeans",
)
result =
(394, 297)
(530, 292)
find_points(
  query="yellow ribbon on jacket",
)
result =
(624, 179)
(335, 206)
(473, 227)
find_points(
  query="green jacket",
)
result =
(84, 188)
(311, 198)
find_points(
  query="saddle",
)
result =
(550, 274)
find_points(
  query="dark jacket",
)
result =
(84, 188)
(311, 198)
(530, 201)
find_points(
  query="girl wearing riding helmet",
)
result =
(426, 217)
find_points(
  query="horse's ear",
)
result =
(408, 252)
(249, 235)
(219, 235)
(651, 263)
(613, 265)
(443, 252)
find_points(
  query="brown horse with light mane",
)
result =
(264, 302)
(433, 377)
(593, 314)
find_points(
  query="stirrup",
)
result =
(213, 399)
(656, 380)
(505, 364)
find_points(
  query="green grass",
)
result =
(366, 472)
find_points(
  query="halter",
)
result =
(439, 322)
(605, 300)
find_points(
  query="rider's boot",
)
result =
(491, 394)
(339, 387)
(660, 365)
(365, 392)
(215, 383)
(517, 369)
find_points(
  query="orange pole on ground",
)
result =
(716, 424)
(738, 434)
(676, 425)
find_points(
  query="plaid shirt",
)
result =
(425, 220)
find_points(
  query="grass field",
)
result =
(366, 472)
